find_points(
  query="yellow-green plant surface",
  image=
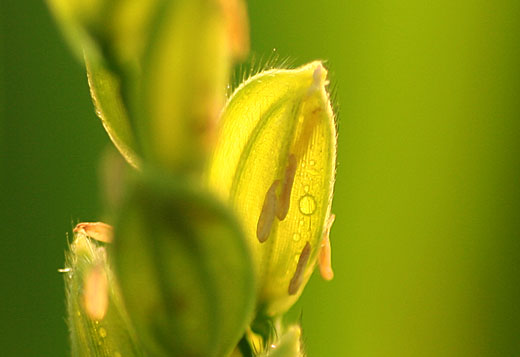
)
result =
(225, 208)
(425, 244)
(275, 162)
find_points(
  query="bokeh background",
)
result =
(426, 244)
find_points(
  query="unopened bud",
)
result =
(97, 319)
(184, 269)
(275, 163)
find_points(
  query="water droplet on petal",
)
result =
(102, 332)
(307, 205)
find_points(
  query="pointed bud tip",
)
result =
(319, 76)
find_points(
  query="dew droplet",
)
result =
(307, 205)
(312, 162)
(306, 188)
(102, 332)
(296, 237)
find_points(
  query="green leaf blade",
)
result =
(105, 91)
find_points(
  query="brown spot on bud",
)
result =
(266, 219)
(285, 196)
(297, 278)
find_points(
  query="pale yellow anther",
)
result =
(266, 219)
(324, 257)
(95, 293)
(318, 79)
(237, 27)
(297, 278)
(284, 201)
(99, 231)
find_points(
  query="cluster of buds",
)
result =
(226, 209)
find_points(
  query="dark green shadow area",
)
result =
(50, 144)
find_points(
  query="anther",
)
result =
(285, 196)
(99, 231)
(324, 257)
(266, 219)
(297, 278)
(95, 293)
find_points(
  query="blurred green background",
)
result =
(426, 244)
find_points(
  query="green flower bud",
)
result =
(275, 162)
(97, 319)
(184, 269)
(287, 345)
(110, 35)
(158, 71)
(181, 89)
(275, 341)
(116, 31)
